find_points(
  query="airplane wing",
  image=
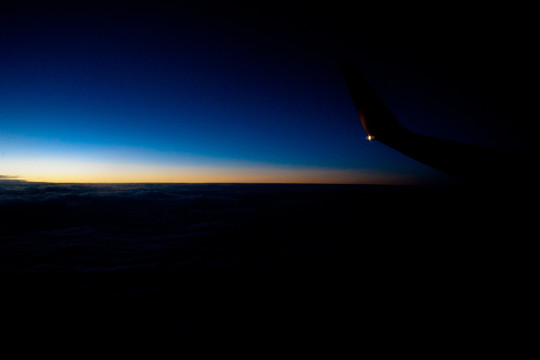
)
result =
(465, 161)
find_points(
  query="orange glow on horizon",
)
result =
(71, 171)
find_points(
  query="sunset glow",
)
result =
(69, 171)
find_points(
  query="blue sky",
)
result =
(188, 89)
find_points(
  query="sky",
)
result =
(241, 92)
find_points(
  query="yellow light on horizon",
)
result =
(92, 171)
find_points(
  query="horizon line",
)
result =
(405, 183)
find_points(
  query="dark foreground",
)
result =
(281, 270)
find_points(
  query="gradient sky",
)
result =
(237, 93)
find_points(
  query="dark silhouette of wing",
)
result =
(462, 160)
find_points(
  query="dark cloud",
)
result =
(234, 257)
